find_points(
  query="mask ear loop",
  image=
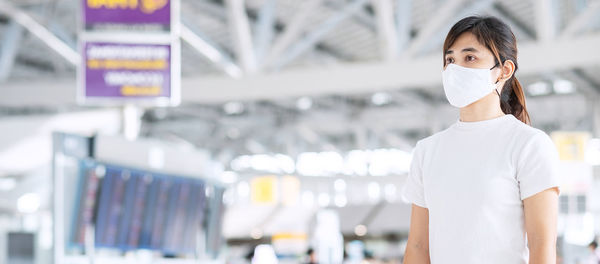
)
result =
(497, 89)
(495, 65)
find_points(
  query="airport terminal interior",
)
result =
(260, 131)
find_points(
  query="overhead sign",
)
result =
(130, 53)
(115, 70)
(570, 145)
(264, 190)
(120, 14)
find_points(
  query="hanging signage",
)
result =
(130, 53)
(127, 14)
(264, 190)
(115, 70)
(570, 145)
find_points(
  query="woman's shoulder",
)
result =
(430, 140)
(526, 133)
(530, 140)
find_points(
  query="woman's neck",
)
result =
(486, 108)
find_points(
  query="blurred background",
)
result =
(259, 131)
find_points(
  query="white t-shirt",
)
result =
(472, 177)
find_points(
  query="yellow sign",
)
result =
(147, 6)
(264, 190)
(570, 145)
(289, 236)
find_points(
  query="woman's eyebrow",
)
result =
(469, 49)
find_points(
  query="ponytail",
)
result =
(512, 100)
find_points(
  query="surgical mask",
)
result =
(463, 85)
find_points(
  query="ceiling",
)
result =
(302, 88)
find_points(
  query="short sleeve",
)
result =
(413, 189)
(537, 166)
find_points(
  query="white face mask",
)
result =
(463, 85)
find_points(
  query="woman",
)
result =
(484, 190)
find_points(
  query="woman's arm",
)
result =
(541, 213)
(417, 248)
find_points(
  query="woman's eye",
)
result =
(449, 60)
(470, 58)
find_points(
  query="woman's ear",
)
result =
(508, 69)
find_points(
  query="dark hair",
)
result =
(499, 39)
(594, 244)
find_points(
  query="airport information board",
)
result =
(132, 209)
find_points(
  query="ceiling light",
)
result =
(563, 87)
(304, 103)
(256, 233)
(381, 98)
(28, 203)
(360, 230)
(538, 88)
(233, 108)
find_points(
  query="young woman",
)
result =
(484, 190)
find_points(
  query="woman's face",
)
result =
(466, 51)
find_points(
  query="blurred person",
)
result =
(487, 184)
(594, 257)
(311, 257)
(250, 255)
(355, 251)
(369, 258)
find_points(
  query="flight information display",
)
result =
(132, 209)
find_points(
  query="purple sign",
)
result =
(114, 70)
(127, 12)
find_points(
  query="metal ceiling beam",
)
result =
(314, 37)
(361, 17)
(436, 42)
(386, 29)
(265, 29)
(582, 21)
(374, 76)
(292, 32)
(63, 34)
(349, 78)
(546, 13)
(209, 50)
(242, 38)
(9, 48)
(446, 12)
(211, 8)
(41, 32)
(403, 22)
(517, 28)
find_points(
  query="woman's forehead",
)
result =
(467, 40)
